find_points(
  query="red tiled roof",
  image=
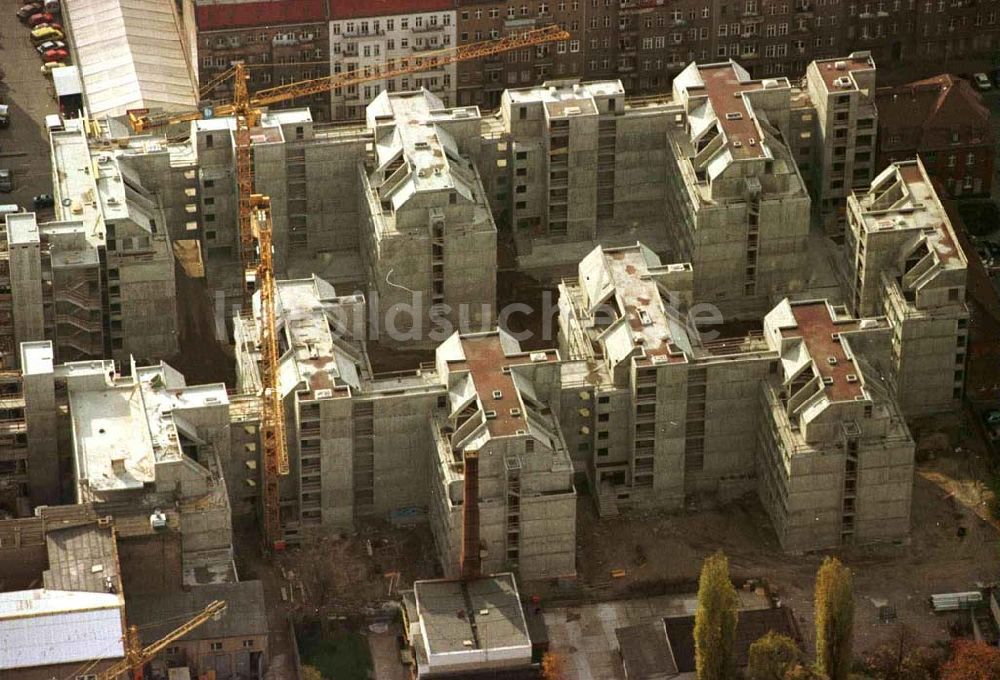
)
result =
(253, 14)
(353, 9)
(923, 115)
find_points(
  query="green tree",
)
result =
(715, 621)
(771, 657)
(834, 619)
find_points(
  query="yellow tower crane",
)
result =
(136, 656)
(255, 212)
(272, 428)
(246, 108)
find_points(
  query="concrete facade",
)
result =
(905, 262)
(834, 455)
(363, 445)
(738, 205)
(661, 412)
(430, 242)
(98, 281)
(576, 168)
(144, 443)
(842, 94)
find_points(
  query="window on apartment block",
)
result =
(215, 646)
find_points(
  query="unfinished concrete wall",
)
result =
(669, 439)
(147, 301)
(731, 409)
(641, 162)
(25, 259)
(40, 414)
(402, 450)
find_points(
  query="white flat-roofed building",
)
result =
(467, 627)
(51, 633)
(131, 56)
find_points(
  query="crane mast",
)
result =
(272, 430)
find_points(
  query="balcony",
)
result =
(427, 28)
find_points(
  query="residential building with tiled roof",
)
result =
(944, 121)
(282, 41)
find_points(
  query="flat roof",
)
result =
(22, 229)
(641, 301)
(130, 419)
(67, 81)
(110, 425)
(76, 182)
(816, 326)
(245, 614)
(485, 359)
(81, 558)
(902, 198)
(50, 627)
(566, 91)
(724, 89)
(844, 67)
(36, 357)
(464, 616)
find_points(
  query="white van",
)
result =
(9, 209)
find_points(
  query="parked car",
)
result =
(992, 417)
(52, 6)
(43, 33)
(982, 81)
(40, 18)
(56, 55)
(43, 201)
(6, 181)
(27, 10)
(50, 66)
(50, 45)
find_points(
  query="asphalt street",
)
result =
(24, 146)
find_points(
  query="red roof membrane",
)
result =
(258, 14)
(358, 9)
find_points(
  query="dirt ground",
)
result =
(946, 496)
(201, 358)
(335, 576)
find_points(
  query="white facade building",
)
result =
(364, 36)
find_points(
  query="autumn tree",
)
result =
(972, 661)
(310, 673)
(902, 659)
(771, 657)
(834, 619)
(801, 672)
(715, 621)
(553, 666)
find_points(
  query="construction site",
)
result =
(416, 387)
